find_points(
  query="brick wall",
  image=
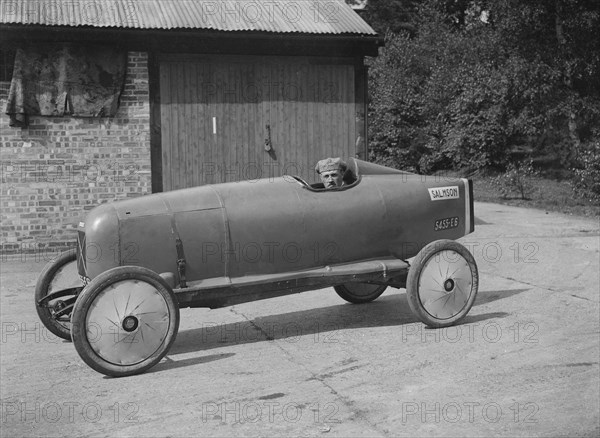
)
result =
(56, 169)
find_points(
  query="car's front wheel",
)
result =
(55, 293)
(359, 293)
(442, 283)
(125, 321)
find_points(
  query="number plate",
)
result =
(446, 223)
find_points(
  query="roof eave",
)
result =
(206, 39)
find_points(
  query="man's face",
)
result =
(331, 178)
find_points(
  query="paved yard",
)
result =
(523, 363)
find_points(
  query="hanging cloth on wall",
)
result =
(65, 79)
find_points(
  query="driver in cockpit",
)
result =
(331, 171)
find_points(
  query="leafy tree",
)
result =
(389, 15)
(478, 81)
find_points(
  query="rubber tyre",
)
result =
(41, 290)
(469, 281)
(87, 298)
(351, 293)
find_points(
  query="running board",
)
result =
(224, 291)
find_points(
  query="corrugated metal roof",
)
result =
(278, 16)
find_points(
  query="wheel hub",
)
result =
(448, 285)
(130, 323)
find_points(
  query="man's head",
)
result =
(331, 171)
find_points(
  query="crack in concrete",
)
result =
(357, 413)
(252, 323)
(540, 287)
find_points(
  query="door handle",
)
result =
(268, 144)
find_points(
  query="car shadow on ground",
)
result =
(326, 322)
(169, 364)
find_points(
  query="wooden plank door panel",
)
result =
(214, 113)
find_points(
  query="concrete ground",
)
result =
(525, 361)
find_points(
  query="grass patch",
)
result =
(544, 193)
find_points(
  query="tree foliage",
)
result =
(586, 181)
(479, 82)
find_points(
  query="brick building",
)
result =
(207, 85)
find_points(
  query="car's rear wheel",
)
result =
(125, 321)
(56, 291)
(442, 283)
(359, 293)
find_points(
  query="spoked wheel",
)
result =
(125, 321)
(359, 293)
(56, 291)
(442, 283)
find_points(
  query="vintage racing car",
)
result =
(138, 261)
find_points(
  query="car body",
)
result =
(219, 245)
(277, 231)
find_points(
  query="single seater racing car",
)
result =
(138, 261)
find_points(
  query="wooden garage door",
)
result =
(217, 113)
